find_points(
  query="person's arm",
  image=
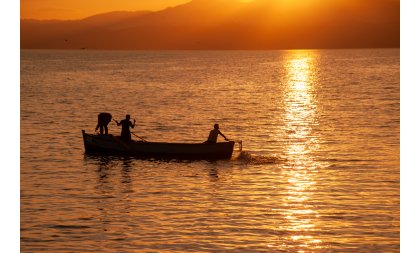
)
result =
(226, 139)
(117, 122)
(134, 124)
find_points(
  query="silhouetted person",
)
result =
(125, 129)
(103, 119)
(213, 135)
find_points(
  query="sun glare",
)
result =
(301, 168)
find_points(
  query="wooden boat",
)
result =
(109, 144)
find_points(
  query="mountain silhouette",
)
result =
(227, 24)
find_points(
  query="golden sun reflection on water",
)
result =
(300, 170)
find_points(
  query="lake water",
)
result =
(319, 170)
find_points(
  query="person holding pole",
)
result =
(125, 129)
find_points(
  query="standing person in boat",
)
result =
(213, 135)
(103, 119)
(125, 129)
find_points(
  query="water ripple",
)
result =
(319, 169)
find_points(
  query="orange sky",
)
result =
(77, 9)
(211, 24)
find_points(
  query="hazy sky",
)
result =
(76, 9)
(223, 24)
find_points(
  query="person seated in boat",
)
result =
(125, 129)
(213, 135)
(103, 119)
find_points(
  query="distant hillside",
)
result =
(227, 24)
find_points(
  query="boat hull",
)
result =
(108, 144)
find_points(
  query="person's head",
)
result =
(127, 117)
(216, 126)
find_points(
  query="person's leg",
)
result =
(106, 129)
(102, 129)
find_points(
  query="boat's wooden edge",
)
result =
(166, 143)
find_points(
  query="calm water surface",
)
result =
(319, 170)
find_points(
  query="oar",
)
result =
(141, 138)
(239, 142)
